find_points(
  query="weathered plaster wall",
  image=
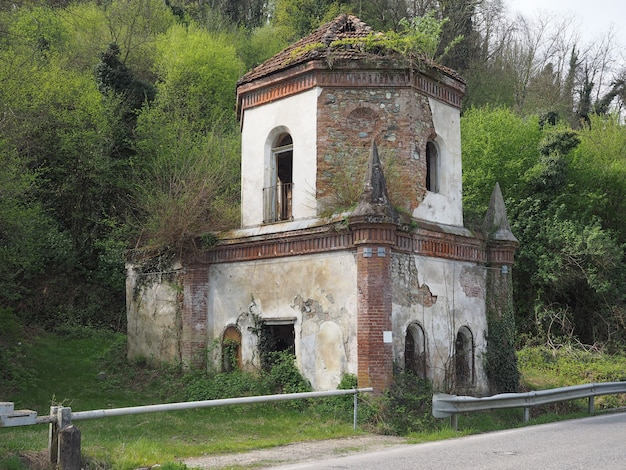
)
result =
(317, 292)
(442, 296)
(153, 308)
(445, 206)
(261, 125)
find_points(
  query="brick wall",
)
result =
(194, 315)
(374, 306)
(400, 121)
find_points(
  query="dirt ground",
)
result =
(292, 453)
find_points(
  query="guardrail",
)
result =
(64, 437)
(445, 405)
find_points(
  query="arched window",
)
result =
(464, 357)
(277, 197)
(231, 349)
(432, 167)
(415, 350)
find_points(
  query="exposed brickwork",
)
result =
(407, 290)
(398, 119)
(194, 315)
(322, 239)
(374, 306)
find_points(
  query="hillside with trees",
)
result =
(118, 132)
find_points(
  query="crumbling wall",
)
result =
(153, 308)
(315, 292)
(442, 296)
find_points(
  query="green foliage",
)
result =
(258, 45)
(223, 385)
(15, 372)
(190, 182)
(543, 367)
(568, 277)
(406, 407)
(501, 359)
(198, 72)
(283, 375)
(417, 39)
(498, 147)
(297, 18)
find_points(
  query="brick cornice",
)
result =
(425, 242)
(316, 73)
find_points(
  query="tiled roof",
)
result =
(344, 26)
(310, 48)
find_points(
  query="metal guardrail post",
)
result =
(590, 406)
(454, 421)
(356, 394)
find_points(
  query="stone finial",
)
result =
(374, 200)
(496, 224)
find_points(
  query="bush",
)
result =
(284, 376)
(405, 407)
(223, 385)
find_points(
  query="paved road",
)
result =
(598, 442)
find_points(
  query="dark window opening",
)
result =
(464, 357)
(432, 162)
(415, 350)
(278, 195)
(276, 338)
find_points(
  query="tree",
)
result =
(569, 278)
(188, 141)
(498, 147)
(198, 72)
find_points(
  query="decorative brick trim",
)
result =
(301, 242)
(501, 253)
(267, 94)
(315, 74)
(441, 245)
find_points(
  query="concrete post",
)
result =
(69, 448)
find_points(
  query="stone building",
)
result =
(392, 280)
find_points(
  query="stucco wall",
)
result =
(317, 292)
(295, 115)
(442, 296)
(153, 313)
(446, 205)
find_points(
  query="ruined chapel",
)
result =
(390, 280)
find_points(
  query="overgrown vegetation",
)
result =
(118, 131)
(102, 378)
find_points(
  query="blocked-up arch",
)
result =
(415, 350)
(464, 357)
(231, 349)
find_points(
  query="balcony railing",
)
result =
(277, 203)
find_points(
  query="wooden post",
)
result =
(69, 448)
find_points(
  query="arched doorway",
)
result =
(415, 350)
(278, 195)
(464, 357)
(231, 349)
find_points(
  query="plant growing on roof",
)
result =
(419, 37)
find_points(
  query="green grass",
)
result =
(88, 371)
(68, 371)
